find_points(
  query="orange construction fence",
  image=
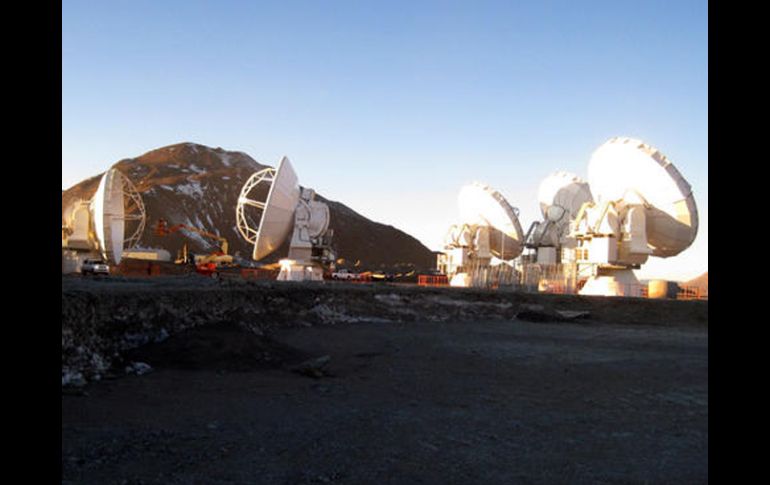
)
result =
(432, 280)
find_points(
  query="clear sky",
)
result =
(390, 107)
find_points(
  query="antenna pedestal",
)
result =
(613, 282)
(612, 246)
(458, 261)
(462, 280)
(311, 221)
(469, 249)
(292, 270)
(546, 255)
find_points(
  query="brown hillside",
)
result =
(197, 185)
(701, 282)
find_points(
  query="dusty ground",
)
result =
(468, 400)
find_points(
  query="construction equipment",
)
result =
(206, 264)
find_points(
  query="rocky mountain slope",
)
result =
(197, 185)
(701, 282)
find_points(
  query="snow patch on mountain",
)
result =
(191, 189)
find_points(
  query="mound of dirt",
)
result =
(221, 346)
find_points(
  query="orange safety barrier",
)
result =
(432, 280)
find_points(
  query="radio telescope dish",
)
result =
(274, 199)
(488, 235)
(115, 202)
(277, 208)
(562, 194)
(628, 171)
(485, 206)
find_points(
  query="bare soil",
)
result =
(468, 400)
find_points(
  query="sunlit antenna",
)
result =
(271, 202)
(489, 234)
(643, 207)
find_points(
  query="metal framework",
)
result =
(264, 176)
(134, 211)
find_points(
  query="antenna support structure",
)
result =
(271, 207)
(643, 207)
(97, 228)
(487, 240)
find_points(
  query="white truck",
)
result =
(344, 274)
(94, 266)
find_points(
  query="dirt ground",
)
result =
(461, 401)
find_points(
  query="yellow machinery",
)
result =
(217, 258)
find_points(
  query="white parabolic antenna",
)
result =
(628, 171)
(109, 214)
(277, 208)
(485, 206)
(286, 208)
(562, 194)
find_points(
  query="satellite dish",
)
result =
(481, 205)
(271, 202)
(562, 193)
(488, 236)
(98, 226)
(627, 171)
(643, 207)
(116, 201)
(276, 209)
(555, 213)
(108, 212)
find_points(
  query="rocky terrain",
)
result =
(101, 318)
(198, 185)
(194, 380)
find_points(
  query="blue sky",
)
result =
(390, 107)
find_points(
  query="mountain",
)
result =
(197, 185)
(701, 282)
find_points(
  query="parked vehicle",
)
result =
(94, 266)
(345, 274)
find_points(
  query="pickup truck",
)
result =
(344, 274)
(94, 266)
